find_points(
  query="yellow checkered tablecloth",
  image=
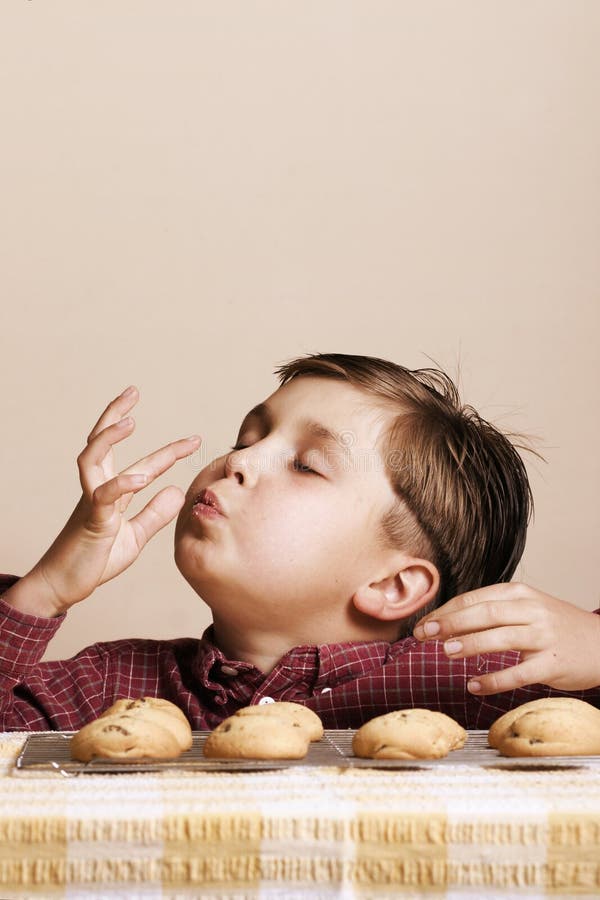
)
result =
(460, 831)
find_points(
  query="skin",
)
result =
(297, 558)
(558, 642)
(99, 542)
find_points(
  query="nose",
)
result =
(239, 465)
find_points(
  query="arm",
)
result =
(36, 695)
(66, 694)
(558, 643)
(98, 542)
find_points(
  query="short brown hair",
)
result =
(463, 496)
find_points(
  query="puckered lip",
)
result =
(209, 498)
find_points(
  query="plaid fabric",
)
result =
(300, 834)
(346, 684)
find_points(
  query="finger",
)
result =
(157, 513)
(106, 495)
(509, 637)
(157, 463)
(503, 591)
(94, 453)
(115, 410)
(492, 614)
(161, 460)
(527, 672)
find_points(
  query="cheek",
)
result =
(294, 537)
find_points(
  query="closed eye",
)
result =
(300, 467)
(297, 465)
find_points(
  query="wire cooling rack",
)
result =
(50, 752)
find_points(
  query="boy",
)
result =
(358, 498)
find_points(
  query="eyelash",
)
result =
(299, 467)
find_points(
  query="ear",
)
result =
(397, 596)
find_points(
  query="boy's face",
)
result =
(301, 503)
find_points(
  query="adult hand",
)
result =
(559, 644)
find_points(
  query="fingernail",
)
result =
(431, 628)
(452, 647)
(194, 438)
(123, 423)
(139, 479)
(474, 687)
(130, 390)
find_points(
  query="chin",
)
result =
(195, 568)
(188, 562)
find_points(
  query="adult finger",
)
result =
(515, 605)
(497, 640)
(492, 614)
(503, 591)
(526, 672)
(115, 410)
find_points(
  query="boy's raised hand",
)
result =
(99, 541)
(559, 644)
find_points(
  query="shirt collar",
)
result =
(319, 666)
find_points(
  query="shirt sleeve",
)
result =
(37, 695)
(24, 639)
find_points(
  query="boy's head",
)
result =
(359, 495)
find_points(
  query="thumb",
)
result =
(157, 513)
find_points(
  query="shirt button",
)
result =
(326, 691)
(264, 700)
(229, 670)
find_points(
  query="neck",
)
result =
(259, 648)
(263, 647)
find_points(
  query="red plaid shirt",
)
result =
(346, 684)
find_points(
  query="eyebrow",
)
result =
(316, 429)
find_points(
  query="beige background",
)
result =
(194, 191)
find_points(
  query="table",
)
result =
(318, 833)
